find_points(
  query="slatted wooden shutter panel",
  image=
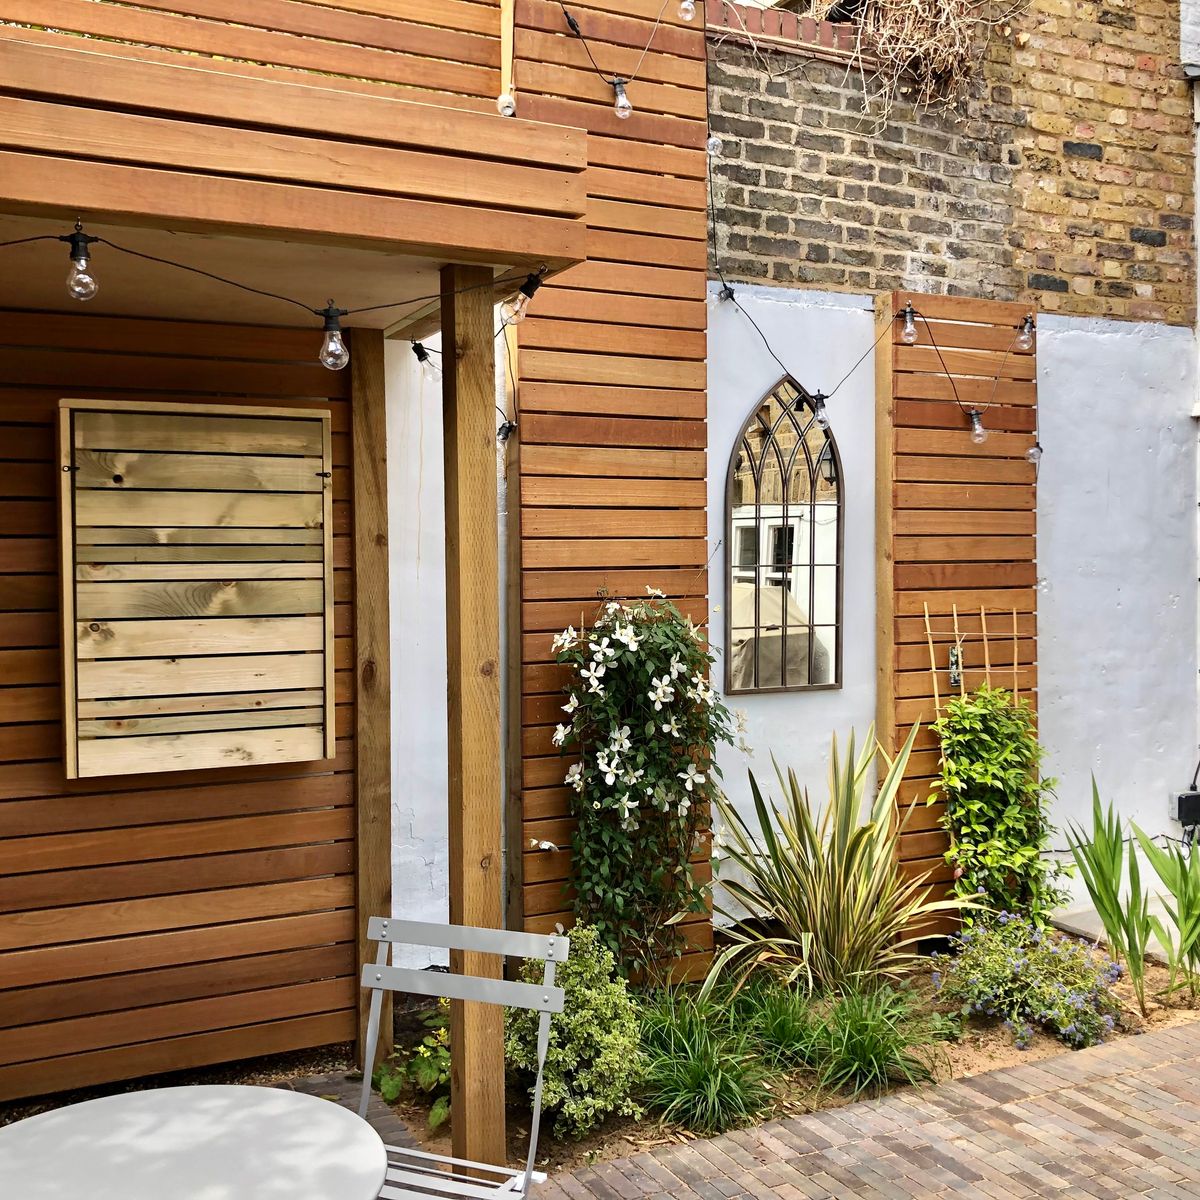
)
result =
(955, 528)
(197, 586)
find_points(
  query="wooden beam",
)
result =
(373, 720)
(885, 468)
(473, 669)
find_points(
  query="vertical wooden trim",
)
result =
(885, 478)
(372, 651)
(66, 549)
(473, 670)
(508, 19)
(327, 583)
(514, 809)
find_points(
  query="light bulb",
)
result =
(979, 435)
(1024, 339)
(334, 354)
(506, 105)
(908, 335)
(1034, 453)
(514, 309)
(622, 107)
(714, 145)
(687, 10)
(81, 283)
(430, 367)
(819, 410)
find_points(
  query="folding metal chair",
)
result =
(414, 1173)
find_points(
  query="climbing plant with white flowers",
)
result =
(645, 721)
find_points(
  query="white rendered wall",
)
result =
(1117, 564)
(818, 336)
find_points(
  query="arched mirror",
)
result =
(783, 602)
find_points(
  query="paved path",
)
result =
(1114, 1122)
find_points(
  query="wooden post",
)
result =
(885, 524)
(473, 665)
(372, 655)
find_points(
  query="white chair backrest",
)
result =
(544, 998)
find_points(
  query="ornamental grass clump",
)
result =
(645, 721)
(593, 1063)
(1009, 968)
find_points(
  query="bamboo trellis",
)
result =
(960, 637)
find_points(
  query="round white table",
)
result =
(194, 1143)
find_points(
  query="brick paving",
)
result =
(1113, 1122)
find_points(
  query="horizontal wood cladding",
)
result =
(171, 919)
(612, 378)
(955, 526)
(183, 144)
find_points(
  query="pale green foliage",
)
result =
(826, 896)
(1114, 882)
(1179, 872)
(996, 803)
(593, 1063)
(645, 721)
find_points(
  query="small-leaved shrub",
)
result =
(996, 801)
(593, 1063)
(704, 1069)
(1009, 968)
(425, 1068)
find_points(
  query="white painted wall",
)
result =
(1117, 564)
(819, 336)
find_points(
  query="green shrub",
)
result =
(996, 803)
(1110, 871)
(1009, 968)
(828, 900)
(593, 1063)
(425, 1068)
(703, 1070)
(868, 1041)
(781, 1018)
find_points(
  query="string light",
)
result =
(622, 105)
(430, 368)
(908, 335)
(714, 145)
(1034, 453)
(334, 354)
(1024, 339)
(81, 283)
(506, 104)
(979, 434)
(687, 10)
(819, 410)
(513, 310)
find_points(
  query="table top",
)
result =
(194, 1143)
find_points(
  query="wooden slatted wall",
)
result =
(955, 525)
(445, 53)
(158, 921)
(612, 383)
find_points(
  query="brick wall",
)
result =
(1067, 180)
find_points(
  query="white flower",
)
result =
(632, 778)
(662, 692)
(602, 651)
(676, 667)
(565, 640)
(575, 777)
(572, 704)
(560, 734)
(608, 766)
(685, 803)
(652, 591)
(671, 727)
(596, 804)
(628, 635)
(745, 747)
(613, 607)
(691, 776)
(593, 674)
(534, 844)
(740, 717)
(620, 740)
